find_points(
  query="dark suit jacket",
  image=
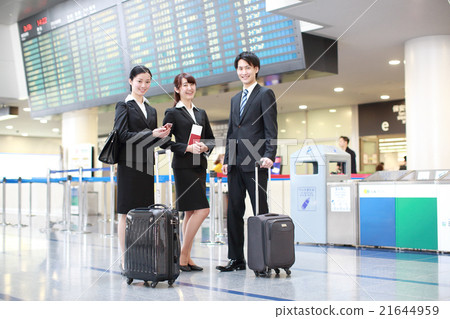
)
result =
(181, 129)
(254, 135)
(135, 130)
(352, 160)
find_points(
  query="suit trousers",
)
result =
(239, 183)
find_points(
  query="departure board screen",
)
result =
(78, 54)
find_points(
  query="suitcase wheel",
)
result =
(277, 271)
(256, 273)
(129, 281)
(146, 283)
(154, 283)
(170, 282)
(288, 271)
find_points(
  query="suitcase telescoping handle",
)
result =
(168, 153)
(158, 205)
(257, 165)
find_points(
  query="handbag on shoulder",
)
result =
(110, 152)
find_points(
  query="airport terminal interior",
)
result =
(375, 71)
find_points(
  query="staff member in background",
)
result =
(252, 135)
(380, 167)
(343, 144)
(189, 162)
(218, 163)
(403, 166)
(135, 120)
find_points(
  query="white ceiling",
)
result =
(12, 11)
(369, 34)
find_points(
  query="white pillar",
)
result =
(79, 127)
(427, 93)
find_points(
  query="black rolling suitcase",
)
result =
(270, 241)
(152, 244)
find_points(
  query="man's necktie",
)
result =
(244, 100)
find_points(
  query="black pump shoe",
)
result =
(185, 268)
(195, 267)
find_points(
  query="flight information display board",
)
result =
(78, 54)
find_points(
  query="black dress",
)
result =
(189, 169)
(135, 180)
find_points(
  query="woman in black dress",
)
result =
(135, 120)
(189, 162)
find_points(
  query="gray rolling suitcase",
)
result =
(152, 244)
(270, 241)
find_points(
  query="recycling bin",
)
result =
(312, 167)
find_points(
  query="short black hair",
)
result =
(138, 69)
(250, 58)
(345, 138)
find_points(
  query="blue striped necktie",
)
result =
(244, 100)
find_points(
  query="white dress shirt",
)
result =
(191, 111)
(141, 105)
(249, 89)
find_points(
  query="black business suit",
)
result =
(134, 177)
(352, 160)
(341, 165)
(189, 169)
(250, 137)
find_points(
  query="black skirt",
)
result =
(190, 186)
(135, 188)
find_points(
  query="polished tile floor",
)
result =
(45, 265)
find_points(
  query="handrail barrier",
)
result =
(66, 211)
(19, 206)
(220, 232)
(4, 202)
(216, 230)
(66, 181)
(212, 212)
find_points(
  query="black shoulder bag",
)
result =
(110, 152)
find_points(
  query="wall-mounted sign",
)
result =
(382, 118)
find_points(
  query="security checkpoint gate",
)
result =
(406, 209)
(312, 167)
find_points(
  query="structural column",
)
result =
(78, 128)
(427, 93)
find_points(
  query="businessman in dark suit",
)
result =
(252, 135)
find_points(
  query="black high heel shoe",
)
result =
(195, 267)
(186, 268)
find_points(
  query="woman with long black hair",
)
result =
(136, 122)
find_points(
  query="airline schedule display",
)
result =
(78, 54)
